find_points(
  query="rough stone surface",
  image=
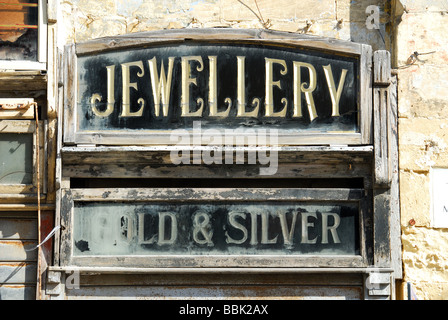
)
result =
(426, 261)
(423, 140)
(345, 20)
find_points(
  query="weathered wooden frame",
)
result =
(370, 155)
(72, 136)
(29, 127)
(70, 196)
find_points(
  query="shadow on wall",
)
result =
(18, 271)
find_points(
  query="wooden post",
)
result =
(382, 158)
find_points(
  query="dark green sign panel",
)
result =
(252, 228)
(224, 85)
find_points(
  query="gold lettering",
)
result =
(96, 97)
(335, 94)
(306, 225)
(237, 225)
(241, 91)
(299, 88)
(332, 229)
(110, 94)
(161, 87)
(270, 83)
(201, 225)
(213, 91)
(127, 84)
(186, 82)
(287, 236)
(141, 231)
(264, 229)
(173, 219)
(253, 229)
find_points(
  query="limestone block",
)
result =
(97, 8)
(415, 198)
(423, 32)
(422, 91)
(279, 9)
(424, 5)
(97, 28)
(425, 261)
(205, 11)
(423, 143)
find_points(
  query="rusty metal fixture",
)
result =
(39, 238)
(16, 106)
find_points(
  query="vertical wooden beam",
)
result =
(382, 125)
(395, 220)
(366, 95)
(382, 158)
(69, 116)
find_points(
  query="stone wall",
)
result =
(423, 140)
(342, 19)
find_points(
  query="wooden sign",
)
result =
(309, 91)
(203, 227)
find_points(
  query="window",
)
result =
(18, 147)
(22, 35)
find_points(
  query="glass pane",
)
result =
(197, 228)
(18, 29)
(16, 158)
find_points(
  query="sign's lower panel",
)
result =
(218, 292)
(213, 228)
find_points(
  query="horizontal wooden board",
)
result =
(308, 171)
(217, 292)
(162, 154)
(14, 250)
(17, 126)
(208, 279)
(22, 81)
(18, 272)
(17, 292)
(16, 214)
(24, 229)
(228, 34)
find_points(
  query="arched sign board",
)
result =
(146, 88)
(160, 88)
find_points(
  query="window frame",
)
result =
(126, 195)
(41, 63)
(25, 127)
